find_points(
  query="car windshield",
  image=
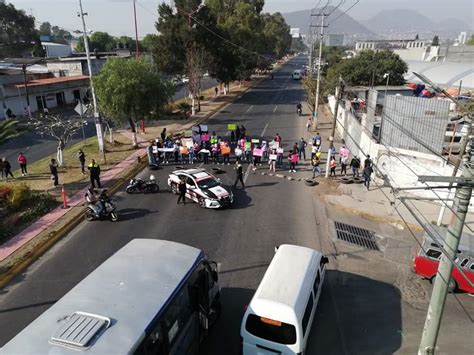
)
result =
(207, 183)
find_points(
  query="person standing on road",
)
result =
(239, 174)
(368, 161)
(82, 160)
(272, 160)
(317, 141)
(22, 161)
(355, 166)
(163, 134)
(366, 173)
(344, 165)
(7, 168)
(216, 90)
(315, 161)
(332, 166)
(94, 171)
(53, 168)
(302, 148)
(182, 191)
(2, 168)
(277, 139)
(293, 158)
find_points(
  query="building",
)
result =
(382, 44)
(44, 90)
(295, 32)
(445, 74)
(54, 50)
(335, 40)
(461, 40)
(404, 135)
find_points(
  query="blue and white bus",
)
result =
(150, 297)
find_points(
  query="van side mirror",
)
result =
(324, 260)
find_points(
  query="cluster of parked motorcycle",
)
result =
(100, 207)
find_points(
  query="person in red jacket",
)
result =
(22, 161)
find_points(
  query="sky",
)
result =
(116, 16)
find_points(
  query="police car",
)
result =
(201, 187)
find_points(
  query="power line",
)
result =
(334, 9)
(345, 12)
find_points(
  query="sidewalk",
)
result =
(378, 204)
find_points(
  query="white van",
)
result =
(297, 75)
(279, 317)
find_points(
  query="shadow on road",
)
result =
(355, 315)
(127, 214)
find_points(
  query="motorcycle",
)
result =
(299, 111)
(140, 185)
(100, 209)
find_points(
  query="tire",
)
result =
(113, 216)
(89, 215)
(174, 188)
(130, 190)
(346, 180)
(202, 202)
(452, 287)
(153, 188)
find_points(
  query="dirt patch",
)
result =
(411, 288)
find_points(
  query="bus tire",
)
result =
(452, 287)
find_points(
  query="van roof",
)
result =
(466, 243)
(286, 283)
(129, 288)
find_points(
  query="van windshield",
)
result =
(271, 330)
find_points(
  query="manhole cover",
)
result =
(356, 235)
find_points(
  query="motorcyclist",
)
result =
(299, 108)
(93, 198)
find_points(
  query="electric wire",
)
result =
(345, 12)
(334, 8)
(324, 8)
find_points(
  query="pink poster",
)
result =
(205, 137)
(257, 152)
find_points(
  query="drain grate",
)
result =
(356, 235)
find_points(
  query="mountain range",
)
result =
(386, 23)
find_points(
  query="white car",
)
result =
(201, 187)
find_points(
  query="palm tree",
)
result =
(9, 129)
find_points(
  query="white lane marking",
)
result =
(247, 172)
(264, 129)
(248, 110)
(275, 108)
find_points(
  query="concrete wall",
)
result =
(65, 68)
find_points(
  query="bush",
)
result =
(43, 204)
(4, 192)
(18, 195)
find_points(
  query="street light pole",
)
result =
(137, 49)
(318, 78)
(386, 75)
(25, 80)
(98, 123)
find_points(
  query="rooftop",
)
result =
(443, 73)
(50, 81)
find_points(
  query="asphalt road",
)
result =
(36, 147)
(356, 314)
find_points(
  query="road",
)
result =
(36, 147)
(356, 314)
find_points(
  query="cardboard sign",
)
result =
(195, 129)
(188, 142)
(204, 128)
(274, 145)
(231, 127)
(225, 150)
(155, 149)
(238, 152)
(279, 150)
(257, 152)
(184, 150)
(255, 140)
(166, 150)
(272, 157)
(205, 137)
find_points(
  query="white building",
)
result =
(295, 32)
(54, 50)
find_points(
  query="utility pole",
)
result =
(339, 93)
(98, 123)
(318, 78)
(443, 276)
(137, 49)
(453, 236)
(25, 81)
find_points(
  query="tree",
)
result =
(148, 42)
(8, 130)
(367, 68)
(128, 90)
(470, 42)
(17, 32)
(55, 126)
(60, 35)
(45, 29)
(435, 41)
(101, 41)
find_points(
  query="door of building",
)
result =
(60, 99)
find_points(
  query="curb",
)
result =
(42, 247)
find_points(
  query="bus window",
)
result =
(153, 343)
(307, 313)
(464, 262)
(434, 254)
(316, 284)
(472, 266)
(270, 329)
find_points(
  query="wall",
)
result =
(65, 68)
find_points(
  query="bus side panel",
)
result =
(425, 267)
(463, 284)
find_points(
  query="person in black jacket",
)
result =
(239, 175)
(82, 160)
(53, 168)
(94, 170)
(182, 191)
(7, 168)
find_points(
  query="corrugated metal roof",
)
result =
(443, 73)
(50, 81)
